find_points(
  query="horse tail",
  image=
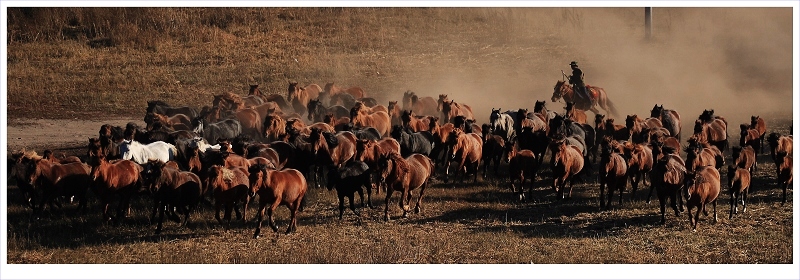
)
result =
(302, 204)
(611, 108)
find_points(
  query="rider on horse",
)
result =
(577, 83)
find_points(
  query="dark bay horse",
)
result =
(564, 90)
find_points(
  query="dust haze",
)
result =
(737, 61)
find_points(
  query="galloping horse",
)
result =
(564, 90)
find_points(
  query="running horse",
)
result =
(564, 90)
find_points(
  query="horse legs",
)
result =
(714, 204)
(162, 207)
(650, 193)
(662, 201)
(228, 209)
(389, 192)
(418, 208)
(369, 197)
(352, 198)
(270, 211)
(602, 192)
(403, 197)
(635, 184)
(261, 206)
(744, 200)
(733, 205)
(293, 207)
(621, 189)
(341, 205)
(217, 209)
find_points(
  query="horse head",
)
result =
(559, 90)
(440, 103)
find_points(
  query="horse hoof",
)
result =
(386, 218)
(255, 236)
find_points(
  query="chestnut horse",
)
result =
(738, 186)
(369, 151)
(750, 137)
(274, 188)
(613, 172)
(379, 120)
(416, 123)
(450, 109)
(668, 177)
(779, 144)
(670, 119)
(567, 163)
(640, 164)
(331, 89)
(744, 157)
(172, 188)
(576, 115)
(54, 180)
(404, 175)
(703, 188)
(522, 164)
(467, 150)
(394, 113)
(564, 90)
(714, 132)
(121, 177)
(757, 123)
(425, 106)
(785, 172)
(176, 122)
(229, 186)
(637, 127)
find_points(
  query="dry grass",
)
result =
(182, 56)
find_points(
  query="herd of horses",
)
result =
(276, 146)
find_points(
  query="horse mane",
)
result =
(227, 174)
(31, 155)
(400, 163)
(331, 139)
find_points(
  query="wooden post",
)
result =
(648, 22)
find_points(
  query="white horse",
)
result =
(140, 154)
(203, 146)
(502, 124)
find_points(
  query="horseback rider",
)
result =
(577, 82)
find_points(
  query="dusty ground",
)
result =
(65, 135)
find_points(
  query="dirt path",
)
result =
(56, 134)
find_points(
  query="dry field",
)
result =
(60, 89)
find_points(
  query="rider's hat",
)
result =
(573, 63)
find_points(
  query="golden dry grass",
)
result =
(185, 55)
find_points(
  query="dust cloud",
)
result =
(737, 61)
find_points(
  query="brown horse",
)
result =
(121, 177)
(176, 122)
(779, 144)
(613, 172)
(48, 155)
(703, 188)
(668, 177)
(637, 127)
(299, 96)
(425, 106)
(567, 164)
(576, 115)
(785, 173)
(640, 164)
(359, 106)
(394, 113)
(749, 137)
(450, 109)
(617, 132)
(333, 149)
(339, 124)
(274, 188)
(522, 164)
(412, 122)
(229, 187)
(715, 132)
(268, 108)
(467, 150)
(670, 119)
(54, 180)
(739, 186)
(404, 175)
(172, 188)
(274, 128)
(228, 101)
(331, 89)
(378, 120)
(757, 123)
(564, 90)
(369, 151)
(744, 157)
(697, 156)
